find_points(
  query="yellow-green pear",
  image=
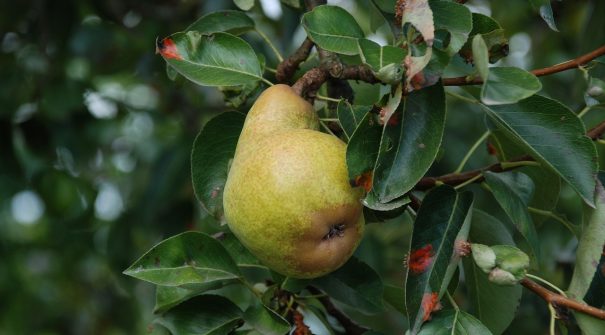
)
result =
(288, 197)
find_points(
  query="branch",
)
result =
(351, 328)
(287, 68)
(454, 179)
(568, 65)
(558, 300)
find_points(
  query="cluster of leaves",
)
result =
(392, 144)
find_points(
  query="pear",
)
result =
(288, 198)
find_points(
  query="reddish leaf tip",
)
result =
(167, 48)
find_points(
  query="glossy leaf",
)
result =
(203, 315)
(332, 28)
(229, 21)
(355, 284)
(377, 56)
(410, 142)
(350, 116)
(451, 322)
(494, 305)
(554, 136)
(438, 223)
(507, 85)
(187, 258)
(456, 19)
(266, 321)
(513, 191)
(213, 148)
(219, 59)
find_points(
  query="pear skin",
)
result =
(287, 196)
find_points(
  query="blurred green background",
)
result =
(95, 143)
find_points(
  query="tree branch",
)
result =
(558, 300)
(287, 68)
(454, 179)
(568, 65)
(351, 328)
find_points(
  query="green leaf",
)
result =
(292, 3)
(513, 191)
(410, 142)
(362, 149)
(167, 297)
(451, 322)
(333, 28)
(507, 85)
(590, 245)
(554, 136)
(493, 35)
(394, 296)
(212, 151)
(481, 56)
(203, 315)
(495, 305)
(350, 116)
(355, 284)
(244, 4)
(187, 258)
(377, 56)
(266, 321)
(456, 19)
(440, 219)
(218, 59)
(545, 12)
(229, 21)
(242, 256)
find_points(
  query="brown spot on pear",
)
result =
(287, 196)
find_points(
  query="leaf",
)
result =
(229, 21)
(187, 258)
(266, 321)
(167, 297)
(456, 19)
(451, 322)
(377, 56)
(545, 12)
(590, 245)
(213, 149)
(362, 149)
(355, 284)
(350, 116)
(242, 257)
(481, 56)
(507, 85)
(419, 14)
(410, 141)
(554, 136)
(439, 221)
(219, 59)
(495, 305)
(332, 28)
(244, 4)
(394, 296)
(493, 35)
(203, 315)
(513, 191)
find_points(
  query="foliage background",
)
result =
(95, 143)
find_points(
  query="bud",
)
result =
(502, 277)
(390, 74)
(512, 260)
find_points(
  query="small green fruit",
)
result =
(287, 196)
(502, 277)
(511, 259)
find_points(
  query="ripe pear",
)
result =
(287, 196)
